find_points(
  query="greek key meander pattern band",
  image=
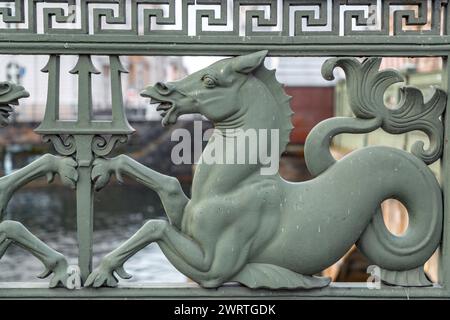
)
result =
(241, 18)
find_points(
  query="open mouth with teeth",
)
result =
(9, 96)
(6, 111)
(166, 110)
(164, 107)
(165, 99)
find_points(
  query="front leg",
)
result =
(210, 264)
(15, 232)
(54, 262)
(193, 260)
(47, 165)
(168, 188)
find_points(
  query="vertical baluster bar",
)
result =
(444, 259)
(85, 206)
(446, 20)
(53, 69)
(85, 213)
(84, 69)
(119, 117)
(444, 250)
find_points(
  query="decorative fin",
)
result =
(366, 86)
(283, 100)
(409, 278)
(261, 275)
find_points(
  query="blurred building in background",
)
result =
(143, 71)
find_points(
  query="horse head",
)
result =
(9, 95)
(212, 91)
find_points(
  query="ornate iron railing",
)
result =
(225, 27)
(356, 28)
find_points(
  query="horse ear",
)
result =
(249, 62)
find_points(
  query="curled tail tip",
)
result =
(328, 67)
(348, 64)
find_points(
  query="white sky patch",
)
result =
(194, 64)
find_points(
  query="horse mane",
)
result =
(283, 101)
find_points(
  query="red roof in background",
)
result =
(310, 105)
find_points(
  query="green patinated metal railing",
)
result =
(357, 28)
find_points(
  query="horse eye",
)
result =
(209, 81)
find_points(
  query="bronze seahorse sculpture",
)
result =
(263, 231)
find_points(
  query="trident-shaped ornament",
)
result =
(85, 138)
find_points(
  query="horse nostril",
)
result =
(162, 88)
(161, 85)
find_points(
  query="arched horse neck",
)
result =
(258, 111)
